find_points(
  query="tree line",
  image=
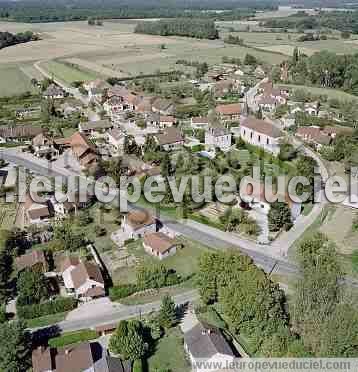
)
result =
(325, 69)
(337, 20)
(320, 320)
(8, 39)
(44, 11)
(198, 28)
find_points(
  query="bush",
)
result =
(73, 338)
(121, 291)
(100, 231)
(137, 366)
(156, 276)
(59, 305)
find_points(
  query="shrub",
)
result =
(137, 366)
(121, 291)
(100, 231)
(59, 305)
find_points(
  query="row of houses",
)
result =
(85, 356)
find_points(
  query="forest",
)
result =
(66, 10)
(198, 28)
(325, 69)
(7, 39)
(342, 21)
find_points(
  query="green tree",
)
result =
(67, 236)
(167, 314)
(279, 216)
(250, 60)
(32, 288)
(15, 353)
(317, 291)
(127, 341)
(339, 333)
(3, 316)
(84, 218)
(5, 273)
(166, 166)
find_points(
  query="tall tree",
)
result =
(127, 341)
(15, 348)
(167, 314)
(32, 288)
(279, 216)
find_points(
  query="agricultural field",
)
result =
(67, 73)
(13, 81)
(112, 50)
(330, 93)
(285, 43)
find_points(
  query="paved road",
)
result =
(125, 312)
(271, 260)
(251, 94)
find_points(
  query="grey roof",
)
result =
(99, 124)
(205, 341)
(19, 131)
(218, 131)
(53, 90)
(262, 126)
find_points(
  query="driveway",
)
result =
(90, 309)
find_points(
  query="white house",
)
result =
(137, 223)
(311, 108)
(199, 122)
(115, 138)
(258, 197)
(204, 342)
(218, 137)
(43, 145)
(84, 279)
(267, 103)
(261, 133)
(159, 245)
(53, 92)
(67, 265)
(95, 128)
(170, 139)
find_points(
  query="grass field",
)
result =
(45, 320)
(330, 93)
(169, 354)
(13, 81)
(66, 73)
(113, 50)
(184, 262)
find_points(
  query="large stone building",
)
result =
(261, 133)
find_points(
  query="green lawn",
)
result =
(330, 93)
(70, 338)
(45, 320)
(66, 73)
(169, 354)
(184, 262)
(156, 295)
(13, 81)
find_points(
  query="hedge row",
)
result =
(121, 291)
(72, 338)
(59, 305)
